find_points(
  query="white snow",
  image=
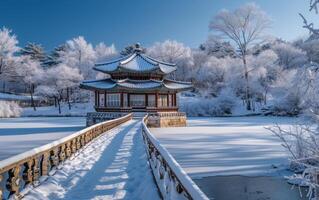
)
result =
(77, 109)
(16, 97)
(226, 146)
(113, 166)
(18, 135)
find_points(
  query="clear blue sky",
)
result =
(124, 22)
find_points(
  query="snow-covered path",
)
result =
(114, 166)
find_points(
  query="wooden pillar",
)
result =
(167, 99)
(104, 98)
(122, 103)
(128, 100)
(95, 95)
(98, 99)
(146, 100)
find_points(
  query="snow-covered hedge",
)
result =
(9, 109)
(197, 106)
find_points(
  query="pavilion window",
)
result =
(113, 100)
(137, 100)
(162, 100)
(151, 100)
(101, 99)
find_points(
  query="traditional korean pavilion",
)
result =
(137, 82)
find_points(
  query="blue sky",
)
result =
(123, 22)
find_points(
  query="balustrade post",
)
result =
(1, 190)
(68, 150)
(82, 140)
(13, 182)
(36, 171)
(45, 164)
(73, 147)
(27, 172)
(54, 159)
(78, 144)
(62, 153)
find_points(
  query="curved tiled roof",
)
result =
(110, 84)
(135, 62)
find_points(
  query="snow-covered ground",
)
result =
(20, 134)
(227, 146)
(77, 109)
(114, 166)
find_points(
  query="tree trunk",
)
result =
(59, 105)
(247, 90)
(55, 102)
(68, 97)
(4, 86)
(32, 100)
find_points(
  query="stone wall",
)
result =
(167, 119)
(97, 117)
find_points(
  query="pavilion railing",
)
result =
(20, 173)
(172, 181)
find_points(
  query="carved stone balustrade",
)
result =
(28, 168)
(171, 180)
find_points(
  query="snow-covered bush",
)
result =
(9, 109)
(219, 106)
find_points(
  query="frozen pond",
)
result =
(227, 146)
(18, 135)
(232, 157)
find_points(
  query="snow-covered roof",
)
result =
(136, 62)
(110, 84)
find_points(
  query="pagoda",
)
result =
(136, 83)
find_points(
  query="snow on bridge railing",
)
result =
(29, 169)
(172, 181)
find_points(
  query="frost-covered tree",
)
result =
(215, 47)
(31, 73)
(80, 54)
(244, 27)
(289, 56)
(34, 51)
(103, 52)
(8, 58)
(172, 51)
(130, 49)
(54, 58)
(57, 80)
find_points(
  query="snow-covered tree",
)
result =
(8, 58)
(57, 80)
(103, 52)
(80, 54)
(244, 27)
(31, 72)
(172, 51)
(130, 49)
(54, 58)
(35, 51)
(289, 56)
(215, 47)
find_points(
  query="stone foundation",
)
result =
(167, 119)
(97, 117)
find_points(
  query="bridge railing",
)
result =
(18, 174)
(172, 181)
